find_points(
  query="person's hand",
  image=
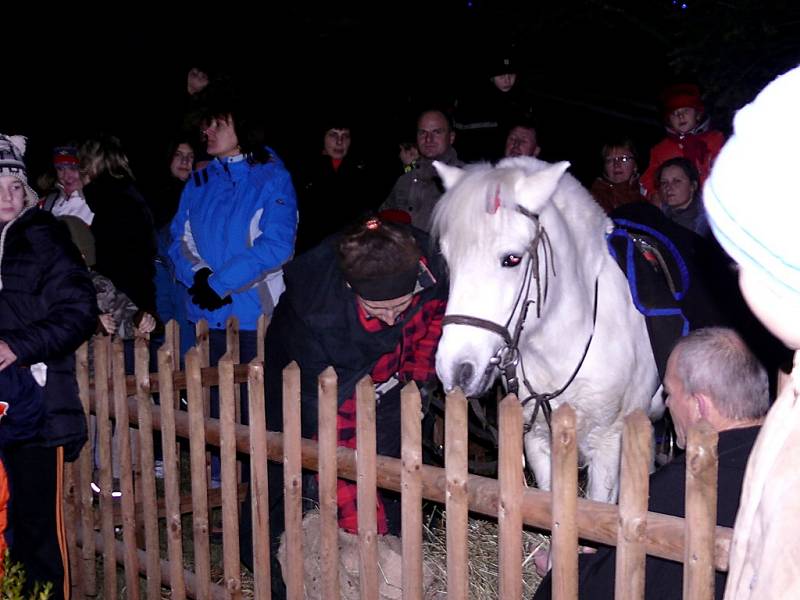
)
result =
(109, 323)
(146, 324)
(202, 293)
(7, 356)
(408, 154)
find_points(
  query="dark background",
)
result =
(593, 67)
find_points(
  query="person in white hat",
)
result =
(753, 207)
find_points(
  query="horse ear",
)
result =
(535, 189)
(450, 175)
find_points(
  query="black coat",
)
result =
(124, 238)
(316, 324)
(47, 309)
(329, 199)
(664, 578)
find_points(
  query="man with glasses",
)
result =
(417, 191)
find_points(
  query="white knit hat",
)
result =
(752, 196)
(12, 151)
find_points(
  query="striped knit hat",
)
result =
(752, 196)
(12, 151)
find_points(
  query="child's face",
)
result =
(683, 119)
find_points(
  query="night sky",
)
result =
(593, 67)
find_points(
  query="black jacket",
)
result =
(664, 578)
(316, 324)
(125, 241)
(47, 309)
(330, 199)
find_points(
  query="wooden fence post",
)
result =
(367, 489)
(261, 334)
(457, 504)
(564, 543)
(328, 508)
(86, 466)
(634, 491)
(197, 451)
(509, 513)
(292, 482)
(172, 338)
(411, 496)
(102, 354)
(131, 559)
(148, 496)
(233, 346)
(230, 480)
(259, 489)
(174, 528)
(701, 511)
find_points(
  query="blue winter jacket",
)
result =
(238, 219)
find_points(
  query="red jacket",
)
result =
(700, 148)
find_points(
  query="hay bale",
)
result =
(484, 568)
(390, 559)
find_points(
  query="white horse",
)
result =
(530, 271)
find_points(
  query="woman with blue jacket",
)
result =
(235, 229)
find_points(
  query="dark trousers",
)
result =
(36, 534)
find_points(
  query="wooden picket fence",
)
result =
(144, 516)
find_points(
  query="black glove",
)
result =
(202, 293)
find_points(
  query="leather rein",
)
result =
(507, 358)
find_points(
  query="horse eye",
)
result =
(512, 260)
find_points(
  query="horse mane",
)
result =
(463, 209)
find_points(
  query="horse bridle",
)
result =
(507, 356)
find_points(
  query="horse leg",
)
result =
(603, 456)
(537, 453)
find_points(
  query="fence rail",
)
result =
(123, 403)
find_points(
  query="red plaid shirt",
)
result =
(413, 359)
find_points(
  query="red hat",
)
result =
(66, 156)
(681, 95)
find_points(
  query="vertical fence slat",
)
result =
(292, 482)
(148, 479)
(125, 470)
(509, 515)
(86, 466)
(203, 344)
(230, 511)
(565, 501)
(102, 354)
(328, 509)
(457, 503)
(367, 490)
(172, 338)
(232, 347)
(174, 527)
(701, 512)
(411, 497)
(197, 451)
(71, 512)
(258, 480)
(633, 494)
(261, 334)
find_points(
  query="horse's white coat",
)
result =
(619, 373)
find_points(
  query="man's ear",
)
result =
(452, 137)
(705, 407)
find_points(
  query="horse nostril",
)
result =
(464, 374)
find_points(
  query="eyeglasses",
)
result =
(615, 160)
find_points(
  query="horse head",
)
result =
(514, 238)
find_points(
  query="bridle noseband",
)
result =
(507, 358)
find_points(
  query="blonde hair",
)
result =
(104, 154)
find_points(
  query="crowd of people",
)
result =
(338, 258)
